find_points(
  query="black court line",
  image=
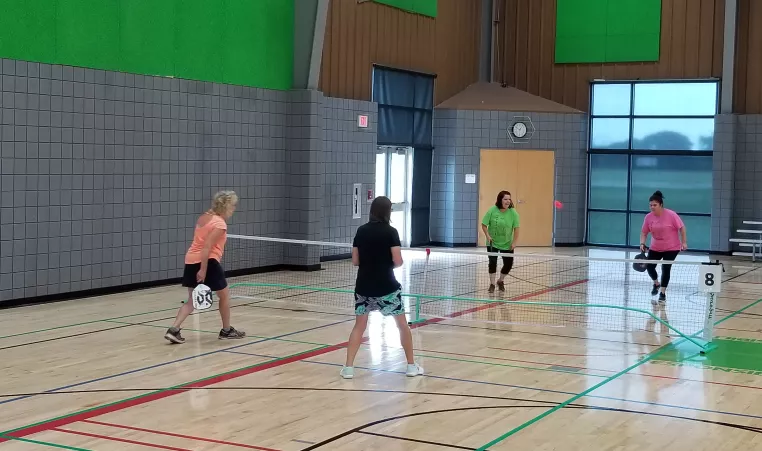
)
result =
(533, 404)
(63, 337)
(471, 327)
(359, 429)
(254, 388)
(407, 439)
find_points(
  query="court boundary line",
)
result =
(521, 387)
(247, 304)
(38, 442)
(408, 439)
(586, 392)
(172, 434)
(161, 364)
(120, 440)
(182, 388)
(359, 429)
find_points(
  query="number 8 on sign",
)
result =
(710, 278)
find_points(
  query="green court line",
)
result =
(481, 301)
(4, 434)
(213, 332)
(560, 406)
(510, 366)
(37, 442)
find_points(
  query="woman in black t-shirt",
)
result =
(376, 250)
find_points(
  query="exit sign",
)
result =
(362, 121)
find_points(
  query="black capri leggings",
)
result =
(507, 261)
(665, 268)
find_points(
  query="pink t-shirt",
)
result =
(664, 229)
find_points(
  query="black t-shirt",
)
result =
(374, 242)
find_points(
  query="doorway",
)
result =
(529, 175)
(394, 170)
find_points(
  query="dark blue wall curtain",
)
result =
(405, 109)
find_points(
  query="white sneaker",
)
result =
(413, 369)
(347, 372)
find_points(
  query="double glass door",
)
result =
(394, 169)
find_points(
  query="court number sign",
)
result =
(710, 278)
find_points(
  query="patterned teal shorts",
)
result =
(389, 305)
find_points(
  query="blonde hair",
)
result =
(222, 200)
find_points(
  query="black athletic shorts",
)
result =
(215, 275)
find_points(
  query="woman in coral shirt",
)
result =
(203, 264)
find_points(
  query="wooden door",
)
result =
(530, 177)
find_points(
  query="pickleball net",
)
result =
(604, 294)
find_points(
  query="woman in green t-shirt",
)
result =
(501, 227)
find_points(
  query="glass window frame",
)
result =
(630, 152)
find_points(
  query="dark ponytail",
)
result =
(381, 210)
(657, 197)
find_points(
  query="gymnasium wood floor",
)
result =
(95, 374)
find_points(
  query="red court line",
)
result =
(123, 440)
(132, 402)
(171, 434)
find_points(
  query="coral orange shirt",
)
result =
(199, 241)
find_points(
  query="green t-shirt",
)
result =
(500, 226)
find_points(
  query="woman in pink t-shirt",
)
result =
(667, 240)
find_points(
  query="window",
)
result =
(672, 134)
(610, 133)
(605, 227)
(648, 136)
(608, 182)
(685, 181)
(612, 99)
(675, 99)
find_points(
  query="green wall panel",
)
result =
(28, 29)
(423, 7)
(147, 32)
(607, 31)
(200, 39)
(87, 33)
(244, 42)
(244, 51)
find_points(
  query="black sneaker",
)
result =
(231, 334)
(491, 288)
(655, 290)
(173, 336)
(662, 297)
(501, 285)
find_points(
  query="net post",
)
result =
(417, 319)
(710, 285)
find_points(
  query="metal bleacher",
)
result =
(754, 243)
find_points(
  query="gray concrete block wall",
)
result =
(459, 135)
(723, 181)
(103, 174)
(747, 192)
(350, 157)
(302, 209)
